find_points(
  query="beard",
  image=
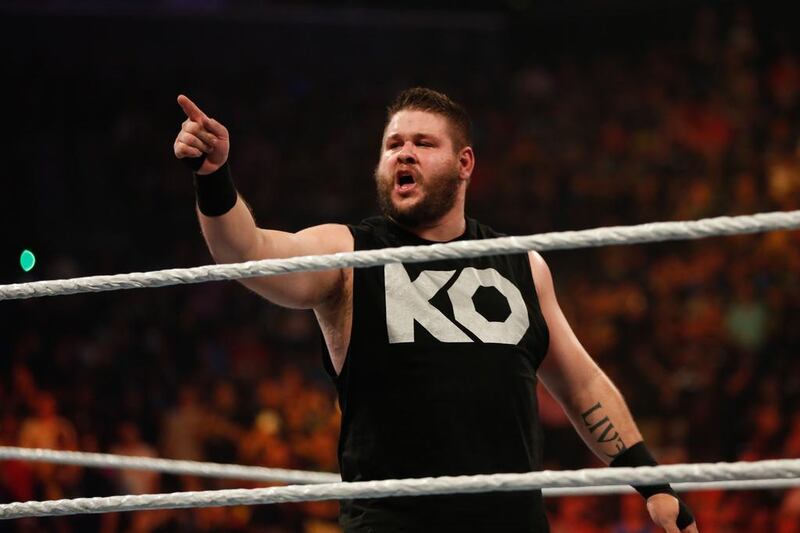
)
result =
(439, 196)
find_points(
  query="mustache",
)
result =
(391, 174)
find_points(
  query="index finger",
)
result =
(190, 108)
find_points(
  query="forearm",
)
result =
(233, 236)
(225, 218)
(601, 417)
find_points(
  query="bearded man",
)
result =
(435, 364)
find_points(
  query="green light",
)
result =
(27, 260)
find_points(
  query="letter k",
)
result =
(407, 302)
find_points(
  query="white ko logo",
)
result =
(407, 302)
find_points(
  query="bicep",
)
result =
(302, 290)
(567, 365)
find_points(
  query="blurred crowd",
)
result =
(702, 337)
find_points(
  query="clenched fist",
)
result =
(201, 136)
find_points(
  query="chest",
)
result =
(424, 307)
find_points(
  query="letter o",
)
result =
(461, 293)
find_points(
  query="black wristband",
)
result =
(216, 193)
(685, 516)
(194, 163)
(639, 455)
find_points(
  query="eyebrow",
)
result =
(420, 135)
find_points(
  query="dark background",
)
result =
(587, 113)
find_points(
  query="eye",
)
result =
(427, 144)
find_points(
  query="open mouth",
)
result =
(404, 181)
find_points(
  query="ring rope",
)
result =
(652, 232)
(258, 473)
(739, 484)
(167, 466)
(253, 473)
(646, 475)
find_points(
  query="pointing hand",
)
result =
(201, 136)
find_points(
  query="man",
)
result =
(435, 363)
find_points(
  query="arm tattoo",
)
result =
(603, 430)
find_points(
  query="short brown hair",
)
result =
(423, 99)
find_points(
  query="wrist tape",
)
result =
(639, 455)
(216, 193)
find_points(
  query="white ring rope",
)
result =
(652, 232)
(258, 473)
(772, 469)
(741, 484)
(167, 466)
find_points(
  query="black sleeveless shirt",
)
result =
(440, 379)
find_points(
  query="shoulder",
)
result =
(542, 277)
(539, 268)
(538, 264)
(479, 230)
(327, 238)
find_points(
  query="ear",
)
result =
(466, 162)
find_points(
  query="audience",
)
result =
(701, 336)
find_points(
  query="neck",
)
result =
(450, 226)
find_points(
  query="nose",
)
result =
(406, 155)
